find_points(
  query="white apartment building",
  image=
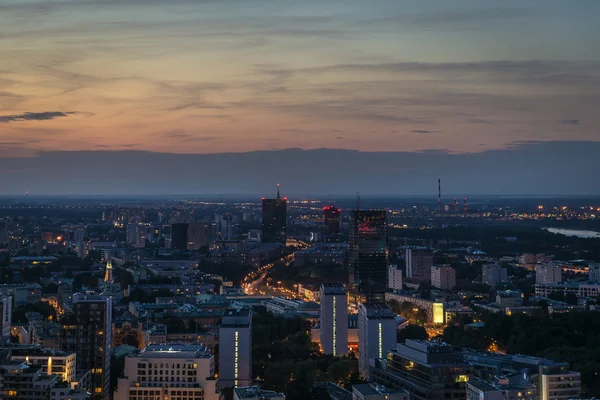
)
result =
(174, 372)
(547, 273)
(443, 277)
(334, 319)
(394, 277)
(235, 348)
(376, 334)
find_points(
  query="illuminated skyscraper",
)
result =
(368, 251)
(376, 334)
(235, 348)
(331, 220)
(88, 332)
(334, 319)
(274, 219)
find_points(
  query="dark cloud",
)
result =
(33, 116)
(570, 122)
(423, 131)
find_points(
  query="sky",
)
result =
(223, 76)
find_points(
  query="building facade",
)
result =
(235, 348)
(493, 274)
(274, 219)
(376, 334)
(443, 277)
(174, 372)
(87, 331)
(331, 222)
(394, 277)
(418, 264)
(547, 273)
(334, 319)
(368, 251)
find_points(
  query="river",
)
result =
(575, 232)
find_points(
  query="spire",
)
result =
(108, 278)
(358, 201)
(278, 196)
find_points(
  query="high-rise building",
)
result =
(376, 334)
(331, 220)
(418, 264)
(394, 277)
(594, 272)
(368, 251)
(5, 318)
(427, 370)
(179, 236)
(493, 274)
(443, 277)
(547, 273)
(198, 235)
(171, 372)
(87, 331)
(136, 235)
(235, 348)
(556, 382)
(274, 219)
(333, 320)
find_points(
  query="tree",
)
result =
(571, 298)
(415, 332)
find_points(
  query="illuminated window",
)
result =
(380, 341)
(334, 327)
(462, 378)
(98, 390)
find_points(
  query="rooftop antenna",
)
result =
(358, 201)
(278, 191)
(440, 194)
(465, 209)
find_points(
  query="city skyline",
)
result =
(200, 77)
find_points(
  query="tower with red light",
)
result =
(274, 219)
(331, 222)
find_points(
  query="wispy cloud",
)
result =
(423, 131)
(570, 122)
(33, 116)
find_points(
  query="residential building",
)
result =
(136, 235)
(371, 391)
(579, 289)
(334, 319)
(394, 277)
(547, 273)
(368, 252)
(443, 277)
(171, 371)
(555, 382)
(198, 235)
(493, 274)
(179, 236)
(594, 273)
(502, 388)
(274, 219)
(235, 348)
(376, 334)
(427, 370)
(5, 318)
(87, 331)
(51, 361)
(22, 381)
(256, 393)
(418, 264)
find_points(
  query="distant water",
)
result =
(574, 232)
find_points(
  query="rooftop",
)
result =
(250, 392)
(174, 351)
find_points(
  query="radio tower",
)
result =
(439, 194)
(465, 209)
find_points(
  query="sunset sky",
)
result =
(210, 76)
